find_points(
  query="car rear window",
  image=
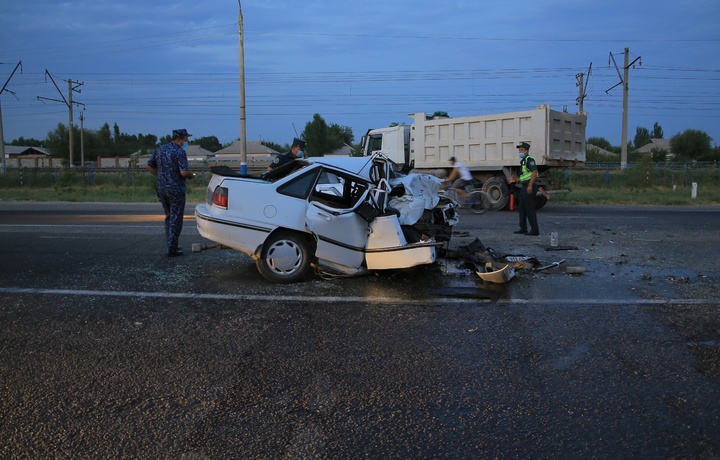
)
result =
(300, 187)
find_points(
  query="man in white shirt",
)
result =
(460, 178)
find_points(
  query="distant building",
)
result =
(197, 153)
(17, 156)
(598, 150)
(257, 153)
(18, 151)
(344, 151)
(655, 145)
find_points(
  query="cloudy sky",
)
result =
(152, 66)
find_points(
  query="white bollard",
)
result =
(693, 193)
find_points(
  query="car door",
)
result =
(341, 232)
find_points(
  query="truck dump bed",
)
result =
(487, 142)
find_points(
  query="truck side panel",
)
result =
(487, 142)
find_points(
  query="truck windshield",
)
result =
(375, 143)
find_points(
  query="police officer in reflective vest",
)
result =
(169, 163)
(528, 190)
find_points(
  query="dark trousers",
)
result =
(174, 205)
(526, 204)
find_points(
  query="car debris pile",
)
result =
(495, 268)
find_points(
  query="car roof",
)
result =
(359, 166)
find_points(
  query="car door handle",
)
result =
(324, 216)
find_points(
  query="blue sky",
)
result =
(152, 66)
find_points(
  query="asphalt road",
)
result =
(110, 349)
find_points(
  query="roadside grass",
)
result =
(680, 196)
(642, 185)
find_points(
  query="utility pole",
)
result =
(72, 87)
(583, 88)
(70, 123)
(243, 130)
(82, 143)
(2, 134)
(626, 89)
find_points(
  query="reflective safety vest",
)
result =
(525, 173)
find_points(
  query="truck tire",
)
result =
(497, 192)
(285, 258)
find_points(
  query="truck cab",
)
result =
(393, 142)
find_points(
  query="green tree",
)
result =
(691, 144)
(316, 136)
(29, 142)
(323, 138)
(341, 134)
(657, 131)
(105, 141)
(210, 143)
(276, 147)
(116, 133)
(642, 137)
(56, 141)
(659, 155)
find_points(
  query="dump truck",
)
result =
(486, 144)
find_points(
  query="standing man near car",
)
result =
(528, 190)
(296, 151)
(169, 163)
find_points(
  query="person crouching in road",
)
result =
(528, 190)
(296, 151)
(169, 163)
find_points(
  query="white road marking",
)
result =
(353, 299)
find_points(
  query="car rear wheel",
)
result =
(285, 258)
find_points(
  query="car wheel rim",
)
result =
(284, 257)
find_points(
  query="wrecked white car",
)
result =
(344, 216)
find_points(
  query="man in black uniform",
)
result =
(169, 163)
(528, 190)
(296, 151)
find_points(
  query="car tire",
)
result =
(285, 257)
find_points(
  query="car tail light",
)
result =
(220, 197)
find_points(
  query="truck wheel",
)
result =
(540, 201)
(285, 258)
(497, 192)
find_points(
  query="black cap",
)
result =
(178, 133)
(452, 159)
(523, 145)
(299, 142)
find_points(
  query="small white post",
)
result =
(693, 194)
